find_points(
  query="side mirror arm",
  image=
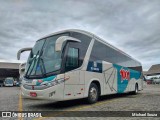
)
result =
(21, 51)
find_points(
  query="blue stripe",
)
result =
(94, 66)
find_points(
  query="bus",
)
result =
(9, 81)
(74, 64)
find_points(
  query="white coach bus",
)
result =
(73, 64)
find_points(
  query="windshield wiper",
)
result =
(31, 65)
(42, 67)
(40, 59)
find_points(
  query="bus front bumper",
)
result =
(52, 93)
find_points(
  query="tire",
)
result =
(136, 89)
(93, 93)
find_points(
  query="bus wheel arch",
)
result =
(135, 89)
(94, 91)
(98, 85)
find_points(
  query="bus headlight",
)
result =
(53, 83)
(57, 81)
(49, 84)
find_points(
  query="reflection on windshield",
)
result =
(52, 59)
(43, 58)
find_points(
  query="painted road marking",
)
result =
(85, 107)
(20, 105)
(78, 108)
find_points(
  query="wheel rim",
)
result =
(93, 93)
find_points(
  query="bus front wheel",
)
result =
(93, 93)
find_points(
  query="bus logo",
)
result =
(125, 74)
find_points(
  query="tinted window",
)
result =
(72, 59)
(83, 46)
(98, 52)
(102, 52)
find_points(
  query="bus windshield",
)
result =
(9, 81)
(43, 58)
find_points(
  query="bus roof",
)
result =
(93, 36)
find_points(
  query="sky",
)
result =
(131, 25)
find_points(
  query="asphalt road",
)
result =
(146, 100)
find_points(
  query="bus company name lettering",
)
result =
(95, 68)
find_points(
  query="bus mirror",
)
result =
(22, 50)
(62, 39)
(22, 69)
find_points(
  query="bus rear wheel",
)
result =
(93, 93)
(136, 89)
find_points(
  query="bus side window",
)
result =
(72, 61)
